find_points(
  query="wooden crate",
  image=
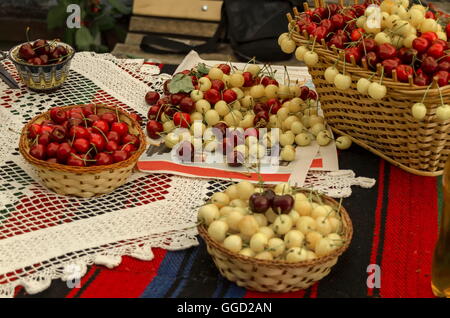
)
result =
(205, 10)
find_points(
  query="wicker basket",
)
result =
(84, 181)
(276, 276)
(387, 127)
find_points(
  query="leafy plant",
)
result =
(96, 17)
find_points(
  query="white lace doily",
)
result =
(43, 234)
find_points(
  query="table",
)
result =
(395, 226)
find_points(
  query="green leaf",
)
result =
(202, 68)
(83, 39)
(69, 36)
(180, 83)
(56, 17)
(119, 6)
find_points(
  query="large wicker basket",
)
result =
(387, 127)
(84, 181)
(276, 275)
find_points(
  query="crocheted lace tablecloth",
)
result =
(45, 236)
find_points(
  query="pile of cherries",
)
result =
(426, 58)
(82, 137)
(42, 52)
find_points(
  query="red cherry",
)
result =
(121, 128)
(34, 130)
(97, 141)
(103, 158)
(217, 85)
(372, 59)
(92, 118)
(52, 149)
(154, 128)
(81, 145)
(111, 146)
(26, 51)
(109, 117)
(131, 139)
(389, 65)
(136, 117)
(251, 132)
(79, 132)
(447, 30)
(155, 112)
(406, 55)
(75, 160)
(129, 148)
(274, 105)
(337, 21)
(422, 79)
(357, 34)
(403, 72)
(312, 94)
(310, 28)
(46, 128)
(260, 106)
(326, 23)
(101, 125)
(187, 105)
(367, 45)
(212, 95)
(429, 65)
(38, 151)
(320, 33)
(442, 77)
(304, 92)
(229, 96)
(386, 51)
(119, 155)
(225, 68)
(441, 42)
(261, 119)
(436, 50)
(181, 119)
(88, 110)
(430, 15)
(58, 134)
(63, 152)
(420, 44)
(336, 40)
(355, 52)
(175, 99)
(113, 135)
(444, 66)
(273, 82)
(44, 139)
(58, 115)
(152, 97)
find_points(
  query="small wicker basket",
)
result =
(276, 275)
(84, 181)
(387, 127)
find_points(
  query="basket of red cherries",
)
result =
(83, 150)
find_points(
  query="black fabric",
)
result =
(252, 28)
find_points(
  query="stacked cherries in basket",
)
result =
(42, 52)
(82, 137)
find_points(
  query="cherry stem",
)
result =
(101, 132)
(382, 74)
(440, 95)
(26, 34)
(128, 143)
(117, 114)
(426, 92)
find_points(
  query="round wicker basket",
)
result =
(386, 127)
(84, 181)
(276, 275)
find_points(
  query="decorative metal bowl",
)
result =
(42, 77)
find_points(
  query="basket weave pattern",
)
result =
(84, 181)
(276, 275)
(386, 127)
